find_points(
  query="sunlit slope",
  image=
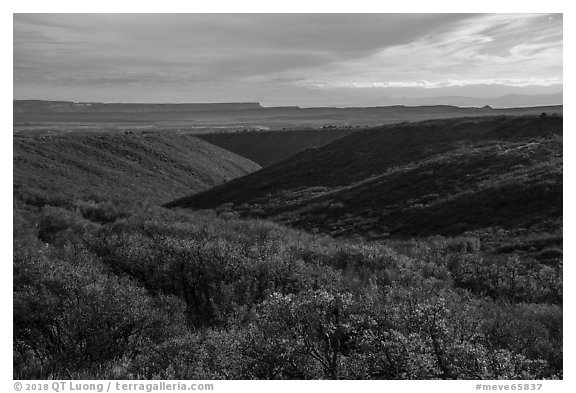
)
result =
(126, 166)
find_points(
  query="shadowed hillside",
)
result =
(507, 184)
(126, 166)
(268, 147)
(434, 177)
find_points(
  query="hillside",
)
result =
(124, 166)
(268, 147)
(506, 184)
(434, 177)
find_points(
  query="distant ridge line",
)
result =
(33, 105)
(22, 106)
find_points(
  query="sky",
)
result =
(291, 59)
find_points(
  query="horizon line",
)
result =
(263, 106)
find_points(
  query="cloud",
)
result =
(219, 46)
(424, 84)
(510, 50)
(296, 56)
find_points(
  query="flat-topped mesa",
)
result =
(22, 106)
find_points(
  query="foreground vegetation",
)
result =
(105, 289)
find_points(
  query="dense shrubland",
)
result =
(106, 289)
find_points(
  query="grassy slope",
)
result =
(126, 166)
(446, 176)
(268, 147)
(505, 184)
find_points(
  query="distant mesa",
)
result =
(24, 106)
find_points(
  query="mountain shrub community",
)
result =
(428, 250)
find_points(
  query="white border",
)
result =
(299, 6)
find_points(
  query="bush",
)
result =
(71, 316)
(101, 212)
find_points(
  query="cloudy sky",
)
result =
(290, 59)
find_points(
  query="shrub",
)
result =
(72, 315)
